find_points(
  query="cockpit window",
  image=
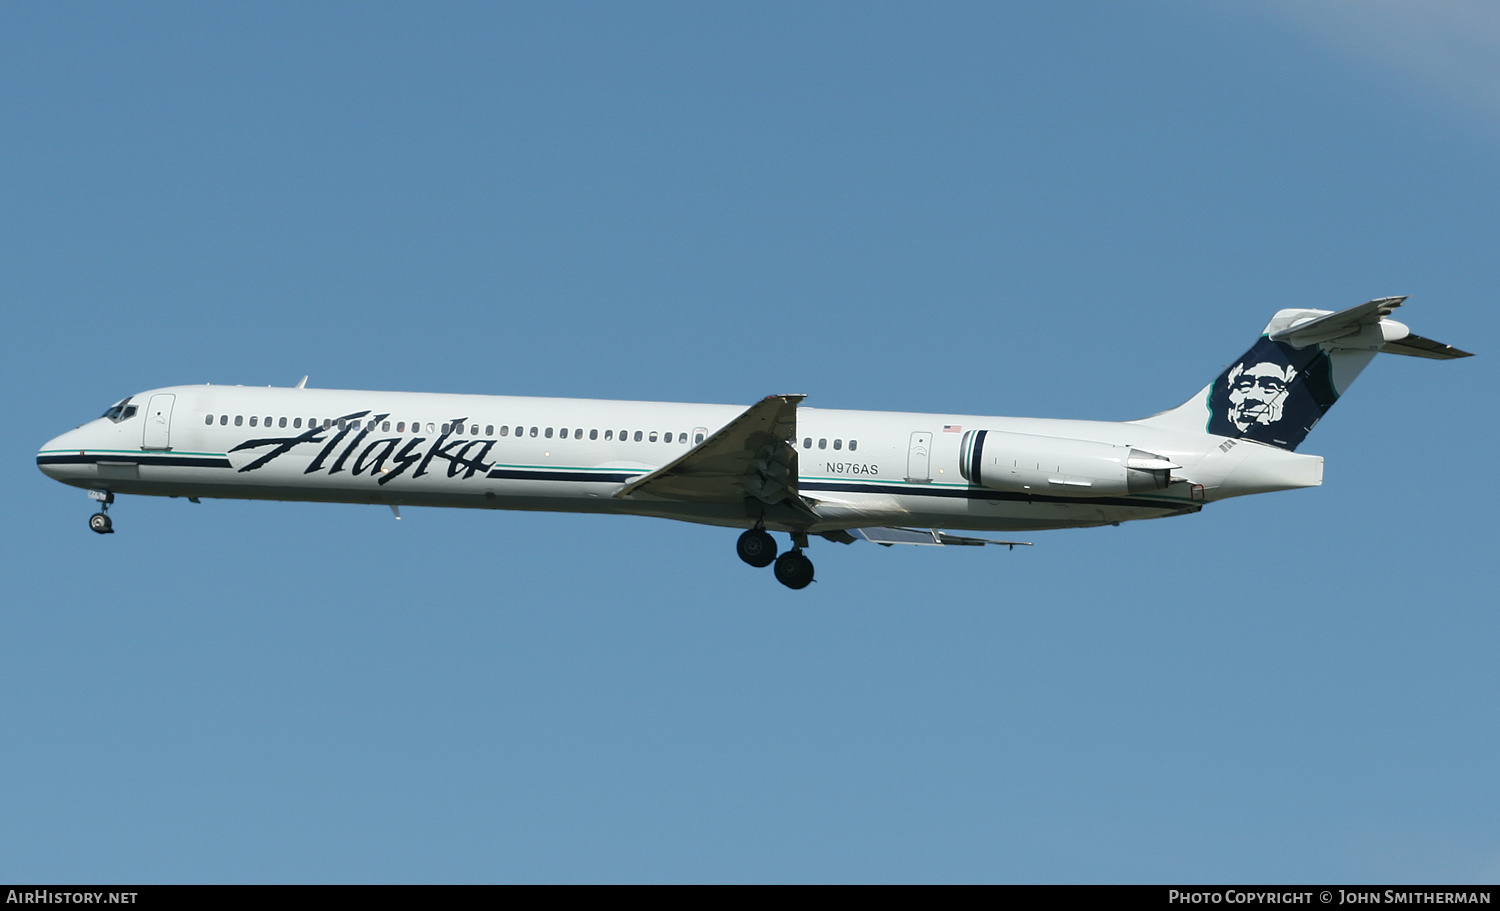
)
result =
(121, 411)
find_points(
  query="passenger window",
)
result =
(431, 427)
(533, 431)
(822, 444)
(296, 422)
(578, 434)
(268, 422)
(838, 444)
(489, 430)
(609, 435)
(594, 434)
(385, 426)
(281, 422)
(208, 419)
(547, 433)
(698, 438)
(682, 438)
(327, 423)
(252, 420)
(505, 430)
(223, 419)
(637, 436)
(652, 437)
(853, 445)
(807, 442)
(474, 431)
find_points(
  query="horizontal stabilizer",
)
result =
(1337, 325)
(1417, 346)
(926, 536)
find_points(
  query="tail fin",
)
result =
(1296, 370)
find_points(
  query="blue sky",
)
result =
(1067, 210)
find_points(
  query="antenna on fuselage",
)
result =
(302, 383)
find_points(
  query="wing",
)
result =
(927, 536)
(749, 457)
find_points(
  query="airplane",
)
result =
(776, 466)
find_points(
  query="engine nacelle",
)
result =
(1027, 463)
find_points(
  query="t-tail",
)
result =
(1304, 360)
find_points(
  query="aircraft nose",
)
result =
(56, 455)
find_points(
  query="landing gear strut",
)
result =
(757, 547)
(99, 521)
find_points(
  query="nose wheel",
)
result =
(99, 522)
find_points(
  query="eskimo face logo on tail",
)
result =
(1273, 394)
(384, 459)
(1257, 395)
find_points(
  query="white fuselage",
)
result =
(860, 468)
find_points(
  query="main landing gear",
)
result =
(99, 521)
(793, 569)
(757, 548)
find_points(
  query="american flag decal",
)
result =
(953, 428)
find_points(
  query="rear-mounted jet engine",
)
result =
(1024, 462)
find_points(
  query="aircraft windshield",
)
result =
(120, 411)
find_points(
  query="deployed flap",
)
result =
(927, 536)
(1337, 325)
(750, 456)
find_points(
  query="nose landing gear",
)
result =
(99, 521)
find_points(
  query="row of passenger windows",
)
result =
(807, 443)
(563, 433)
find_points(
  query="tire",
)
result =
(794, 570)
(100, 523)
(757, 548)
